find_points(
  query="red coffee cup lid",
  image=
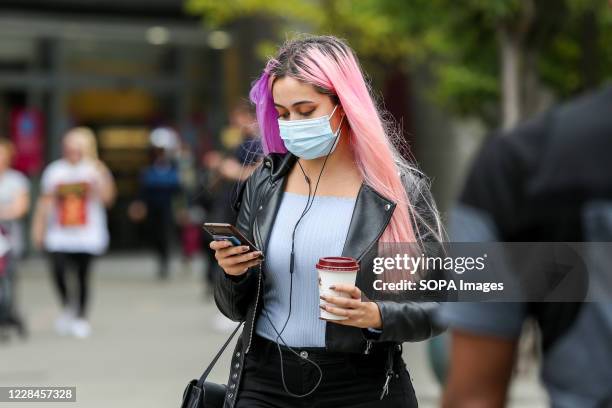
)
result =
(338, 264)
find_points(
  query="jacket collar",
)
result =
(279, 164)
(371, 215)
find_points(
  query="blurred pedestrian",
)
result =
(190, 215)
(88, 138)
(227, 168)
(205, 199)
(70, 225)
(548, 180)
(223, 173)
(14, 205)
(159, 184)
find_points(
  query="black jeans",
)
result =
(59, 267)
(159, 230)
(349, 380)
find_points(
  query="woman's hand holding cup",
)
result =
(234, 260)
(355, 312)
(341, 301)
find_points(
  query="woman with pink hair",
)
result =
(332, 184)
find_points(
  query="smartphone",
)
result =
(222, 231)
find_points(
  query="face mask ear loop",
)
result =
(339, 130)
(336, 136)
(331, 115)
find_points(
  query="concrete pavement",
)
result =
(149, 338)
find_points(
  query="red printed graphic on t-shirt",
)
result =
(72, 204)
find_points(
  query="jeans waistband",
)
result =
(264, 345)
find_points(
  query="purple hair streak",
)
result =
(267, 116)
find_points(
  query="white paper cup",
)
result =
(333, 271)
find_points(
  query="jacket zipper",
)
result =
(255, 312)
(368, 347)
(257, 238)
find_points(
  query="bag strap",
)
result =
(214, 360)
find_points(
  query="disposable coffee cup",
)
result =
(332, 271)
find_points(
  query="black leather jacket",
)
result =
(240, 298)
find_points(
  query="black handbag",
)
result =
(204, 394)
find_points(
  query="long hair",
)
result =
(331, 66)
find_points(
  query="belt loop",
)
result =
(398, 351)
(390, 357)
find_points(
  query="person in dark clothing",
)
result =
(159, 184)
(548, 180)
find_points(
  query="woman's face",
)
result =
(73, 149)
(296, 100)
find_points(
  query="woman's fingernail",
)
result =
(332, 287)
(244, 248)
(322, 307)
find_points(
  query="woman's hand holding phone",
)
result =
(234, 260)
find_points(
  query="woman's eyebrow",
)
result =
(301, 103)
(278, 105)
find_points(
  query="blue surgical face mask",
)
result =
(310, 138)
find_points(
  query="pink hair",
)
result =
(330, 65)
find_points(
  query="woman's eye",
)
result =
(307, 113)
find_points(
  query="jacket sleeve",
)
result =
(414, 320)
(233, 294)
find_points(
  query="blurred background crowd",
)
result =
(130, 118)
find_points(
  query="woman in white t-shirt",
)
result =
(70, 224)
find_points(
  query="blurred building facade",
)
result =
(121, 67)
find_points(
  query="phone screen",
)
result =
(224, 231)
(235, 241)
